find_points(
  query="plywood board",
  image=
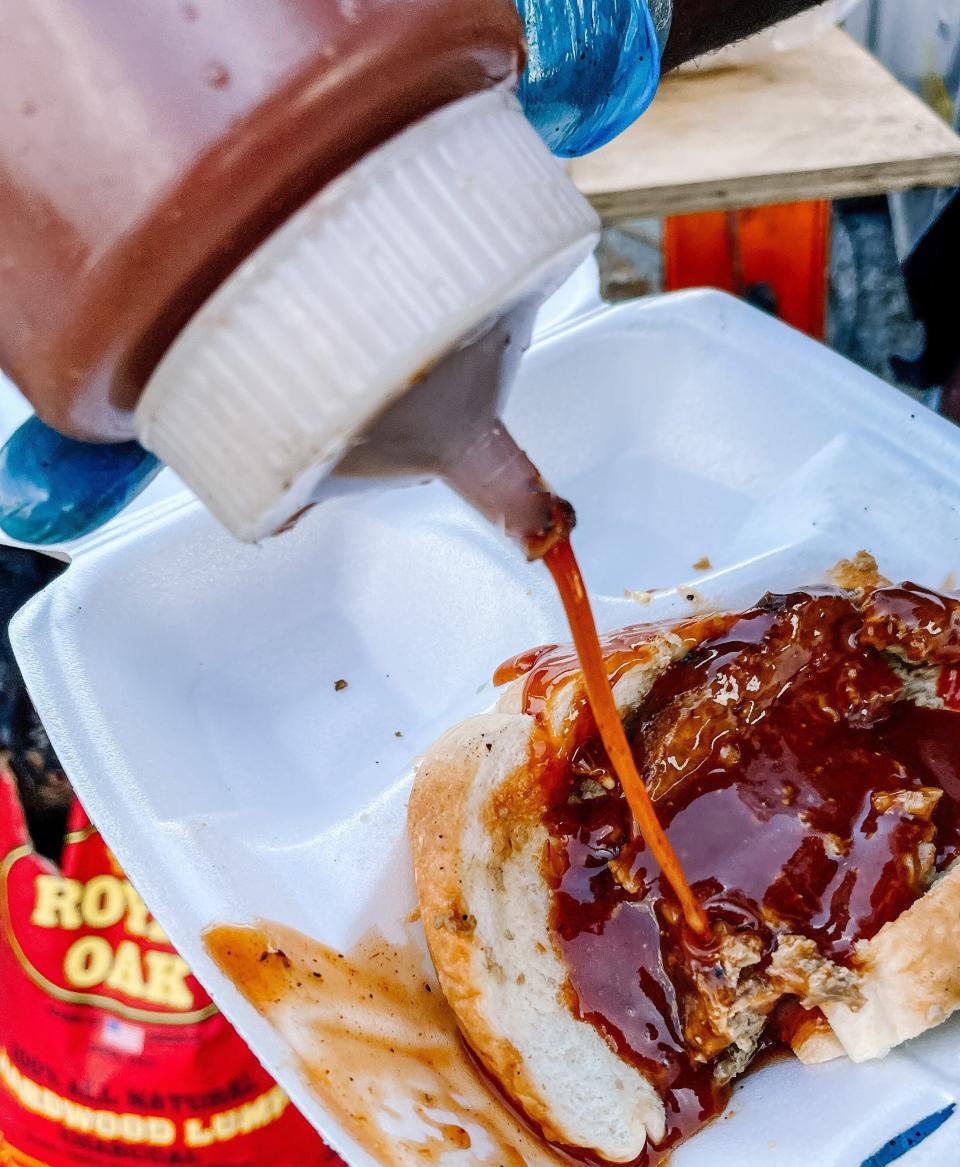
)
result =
(824, 121)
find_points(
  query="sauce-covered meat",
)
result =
(808, 803)
(915, 623)
(765, 757)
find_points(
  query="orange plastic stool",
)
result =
(778, 254)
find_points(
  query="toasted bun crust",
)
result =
(816, 1044)
(910, 975)
(477, 836)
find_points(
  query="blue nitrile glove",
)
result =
(593, 68)
(54, 489)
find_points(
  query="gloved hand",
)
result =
(594, 66)
(54, 489)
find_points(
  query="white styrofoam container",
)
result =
(186, 681)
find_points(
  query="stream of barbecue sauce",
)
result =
(774, 752)
(562, 564)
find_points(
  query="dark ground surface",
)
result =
(869, 318)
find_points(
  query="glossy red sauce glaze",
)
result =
(915, 622)
(948, 687)
(800, 794)
(551, 666)
(927, 742)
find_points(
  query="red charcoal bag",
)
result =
(110, 1050)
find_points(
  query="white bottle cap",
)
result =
(341, 309)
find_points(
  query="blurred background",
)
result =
(887, 277)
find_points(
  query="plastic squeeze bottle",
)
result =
(593, 70)
(240, 231)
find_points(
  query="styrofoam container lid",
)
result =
(186, 681)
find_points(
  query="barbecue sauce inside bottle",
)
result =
(147, 147)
